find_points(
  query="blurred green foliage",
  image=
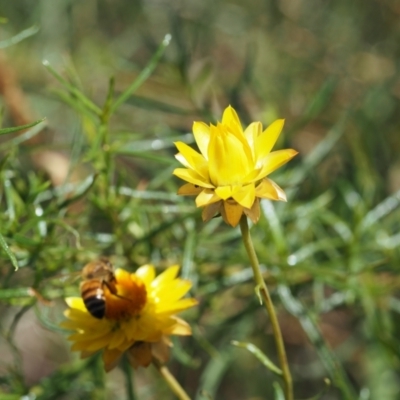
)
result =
(98, 182)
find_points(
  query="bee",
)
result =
(96, 275)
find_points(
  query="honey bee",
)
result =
(96, 275)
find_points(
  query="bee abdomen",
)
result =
(96, 307)
(93, 298)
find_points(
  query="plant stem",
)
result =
(262, 291)
(170, 380)
(128, 376)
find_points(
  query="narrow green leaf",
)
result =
(383, 209)
(19, 37)
(4, 131)
(4, 161)
(278, 392)
(109, 99)
(144, 74)
(268, 210)
(146, 156)
(68, 99)
(8, 251)
(263, 358)
(321, 99)
(15, 293)
(147, 194)
(81, 190)
(8, 191)
(188, 270)
(156, 105)
(73, 90)
(23, 137)
(140, 146)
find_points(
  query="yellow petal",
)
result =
(230, 159)
(231, 120)
(206, 197)
(79, 317)
(246, 196)
(268, 189)
(275, 160)
(117, 339)
(188, 189)
(231, 212)
(193, 177)
(251, 133)
(178, 306)
(88, 344)
(224, 192)
(192, 159)
(201, 133)
(266, 141)
(99, 343)
(180, 327)
(122, 275)
(71, 325)
(92, 336)
(146, 273)
(166, 276)
(79, 346)
(174, 290)
(76, 303)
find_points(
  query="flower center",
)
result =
(130, 298)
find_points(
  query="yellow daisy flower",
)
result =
(138, 319)
(229, 175)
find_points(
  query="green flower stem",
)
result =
(263, 293)
(170, 380)
(128, 376)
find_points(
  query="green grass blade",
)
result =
(278, 392)
(321, 99)
(73, 90)
(81, 190)
(23, 137)
(8, 251)
(4, 131)
(15, 293)
(263, 358)
(384, 208)
(156, 105)
(146, 72)
(19, 37)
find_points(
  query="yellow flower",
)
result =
(229, 175)
(138, 319)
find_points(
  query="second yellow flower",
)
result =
(229, 175)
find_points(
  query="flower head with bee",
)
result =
(139, 317)
(229, 175)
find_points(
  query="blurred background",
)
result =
(330, 254)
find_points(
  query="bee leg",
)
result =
(113, 289)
